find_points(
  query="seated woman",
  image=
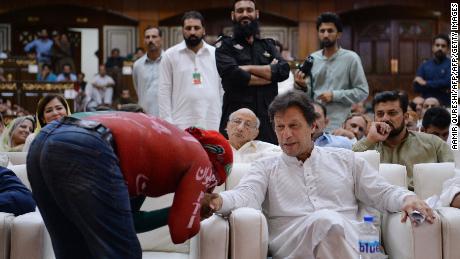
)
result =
(51, 107)
(15, 134)
(46, 74)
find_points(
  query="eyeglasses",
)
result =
(247, 124)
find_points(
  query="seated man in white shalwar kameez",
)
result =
(310, 194)
(242, 130)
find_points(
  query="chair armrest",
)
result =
(403, 241)
(6, 219)
(450, 218)
(248, 234)
(30, 238)
(212, 242)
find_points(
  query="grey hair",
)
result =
(232, 115)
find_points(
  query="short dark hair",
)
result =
(155, 27)
(387, 96)
(131, 107)
(236, 1)
(436, 116)
(44, 101)
(442, 36)
(47, 65)
(193, 15)
(320, 105)
(329, 17)
(289, 99)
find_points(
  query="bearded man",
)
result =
(190, 91)
(433, 76)
(338, 78)
(250, 68)
(397, 145)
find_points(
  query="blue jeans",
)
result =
(81, 194)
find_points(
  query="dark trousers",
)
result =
(81, 194)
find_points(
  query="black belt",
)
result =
(103, 131)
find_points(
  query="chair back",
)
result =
(371, 156)
(429, 177)
(395, 174)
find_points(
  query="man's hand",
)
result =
(420, 81)
(344, 133)
(456, 201)
(326, 97)
(299, 78)
(379, 131)
(412, 203)
(210, 203)
(100, 87)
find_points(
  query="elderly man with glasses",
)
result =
(242, 130)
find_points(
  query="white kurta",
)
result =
(101, 95)
(185, 100)
(303, 201)
(146, 78)
(253, 150)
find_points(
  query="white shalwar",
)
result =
(253, 150)
(307, 202)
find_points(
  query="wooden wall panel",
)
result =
(383, 57)
(406, 57)
(365, 51)
(423, 51)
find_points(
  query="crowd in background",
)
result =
(54, 56)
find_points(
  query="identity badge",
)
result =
(196, 79)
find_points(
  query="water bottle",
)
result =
(369, 240)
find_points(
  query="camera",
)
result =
(306, 66)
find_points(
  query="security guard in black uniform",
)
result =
(250, 68)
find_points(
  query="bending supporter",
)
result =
(84, 171)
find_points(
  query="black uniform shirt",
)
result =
(232, 53)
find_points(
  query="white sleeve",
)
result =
(373, 190)
(111, 82)
(250, 192)
(449, 189)
(165, 89)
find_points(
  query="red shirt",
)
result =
(157, 158)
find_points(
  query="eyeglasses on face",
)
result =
(247, 124)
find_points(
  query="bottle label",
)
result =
(369, 247)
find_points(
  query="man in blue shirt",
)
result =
(322, 138)
(433, 76)
(42, 47)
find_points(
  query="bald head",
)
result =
(418, 100)
(242, 127)
(430, 102)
